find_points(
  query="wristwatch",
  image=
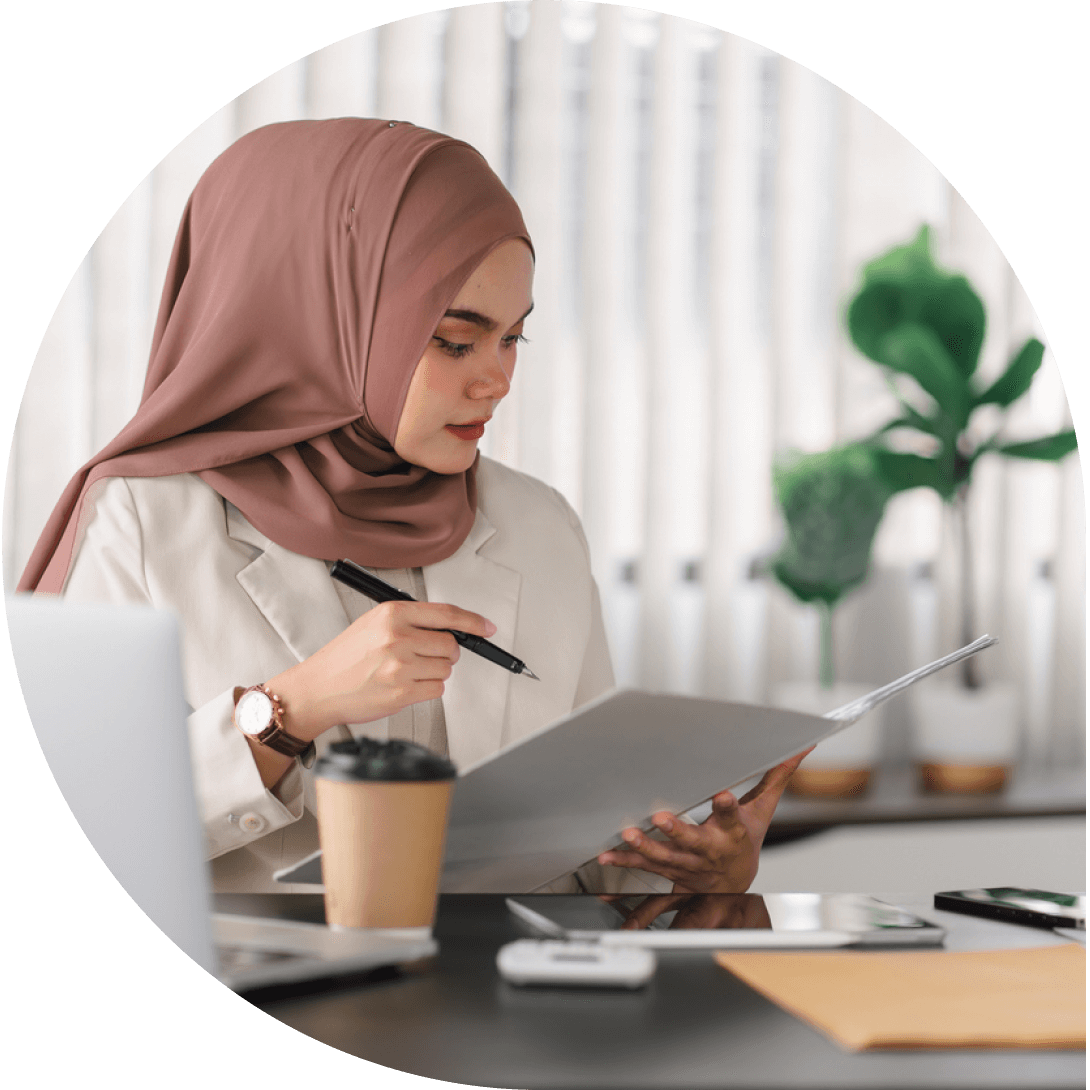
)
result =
(260, 716)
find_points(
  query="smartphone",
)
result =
(1033, 907)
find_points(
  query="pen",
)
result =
(352, 575)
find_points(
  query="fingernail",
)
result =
(489, 628)
(632, 836)
(605, 859)
(664, 823)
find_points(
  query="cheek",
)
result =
(433, 400)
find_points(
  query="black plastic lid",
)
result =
(368, 761)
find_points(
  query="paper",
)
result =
(1028, 998)
(553, 801)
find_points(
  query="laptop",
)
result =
(103, 686)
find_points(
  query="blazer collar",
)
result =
(296, 596)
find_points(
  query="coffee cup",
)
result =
(382, 822)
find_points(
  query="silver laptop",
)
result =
(103, 687)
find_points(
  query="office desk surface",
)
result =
(452, 1018)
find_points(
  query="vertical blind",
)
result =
(701, 208)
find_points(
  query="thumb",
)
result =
(767, 794)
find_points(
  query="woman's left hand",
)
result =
(718, 856)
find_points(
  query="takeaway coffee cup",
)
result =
(382, 820)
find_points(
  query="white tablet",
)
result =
(799, 921)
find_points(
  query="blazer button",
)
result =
(251, 822)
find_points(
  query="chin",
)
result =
(451, 464)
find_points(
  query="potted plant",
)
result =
(832, 503)
(918, 320)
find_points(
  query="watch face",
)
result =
(254, 712)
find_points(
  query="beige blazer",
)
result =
(250, 609)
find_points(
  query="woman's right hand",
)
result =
(396, 654)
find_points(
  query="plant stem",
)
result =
(825, 613)
(970, 675)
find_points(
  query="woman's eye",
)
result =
(515, 338)
(452, 349)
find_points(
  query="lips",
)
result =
(469, 432)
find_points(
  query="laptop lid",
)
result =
(103, 687)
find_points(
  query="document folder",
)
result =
(545, 805)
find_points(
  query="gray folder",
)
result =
(545, 805)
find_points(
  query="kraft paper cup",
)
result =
(382, 823)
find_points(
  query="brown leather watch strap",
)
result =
(274, 735)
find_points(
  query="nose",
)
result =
(492, 381)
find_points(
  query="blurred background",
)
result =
(701, 209)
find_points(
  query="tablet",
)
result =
(801, 921)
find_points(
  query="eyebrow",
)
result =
(482, 320)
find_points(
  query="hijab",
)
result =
(312, 265)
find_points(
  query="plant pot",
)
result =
(966, 740)
(841, 766)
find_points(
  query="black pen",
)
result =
(352, 575)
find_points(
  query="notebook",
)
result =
(103, 686)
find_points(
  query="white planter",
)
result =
(840, 766)
(965, 739)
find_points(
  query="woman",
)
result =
(340, 319)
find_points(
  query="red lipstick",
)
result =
(469, 432)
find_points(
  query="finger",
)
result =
(766, 795)
(660, 851)
(442, 615)
(429, 643)
(617, 857)
(649, 910)
(725, 805)
(680, 832)
(794, 762)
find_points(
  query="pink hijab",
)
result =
(312, 264)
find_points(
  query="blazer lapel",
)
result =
(475, 696)
(294, 593)
(297, 597)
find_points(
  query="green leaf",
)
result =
(832, 503)
(902, 471)
(1051, 448)
(911, 419)
(908, 262)
(915, 350)
(905, 285)
(1016, 379)
(956, 314)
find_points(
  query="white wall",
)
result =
(700, 208)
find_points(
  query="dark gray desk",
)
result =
(696, 1026)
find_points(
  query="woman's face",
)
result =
(467, 366)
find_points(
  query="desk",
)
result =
(695, 1026)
